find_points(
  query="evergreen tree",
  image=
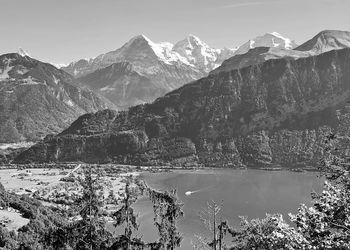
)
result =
(210, 218)
(9, 132)
(90, 231)
(167, 210)
(126, 216)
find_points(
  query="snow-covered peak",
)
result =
(196, 52)
(191, 41)
(142, 45)
(22, 52)
(272, 39)
(195, 40)
(137, 39)
(59, 65)
(288, 43)
(274, 33)
(144, 54)
(141, 37)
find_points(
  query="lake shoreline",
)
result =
(153, 169)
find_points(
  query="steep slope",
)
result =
(325, 41)
(124, 86)
(271, 40)
(277, 112)
(37, 99)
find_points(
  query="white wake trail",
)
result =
(188, 193)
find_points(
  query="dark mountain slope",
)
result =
(122, 85)
(275, 112)
(37, 99)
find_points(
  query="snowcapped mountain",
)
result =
(36, 98)
(23, 52)
(166, 67)
(198, 54)
(272, 40)
(144, 53)
(325, 41)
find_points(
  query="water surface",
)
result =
(251, 193)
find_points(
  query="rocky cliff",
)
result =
(277, 112)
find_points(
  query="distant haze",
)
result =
(66, 30)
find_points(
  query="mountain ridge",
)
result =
(165, 51)
(272, 40)
(324, 41)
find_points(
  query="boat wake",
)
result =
(188, 193)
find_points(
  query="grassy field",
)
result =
(16, 180)
(47, 184)
(12, 219)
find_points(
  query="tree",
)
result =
(89, 231)
(167, 210)
(210, 218)
(269, 233)
(125, 215)
(326, 225)
(9, 132)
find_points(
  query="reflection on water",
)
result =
(243, 192)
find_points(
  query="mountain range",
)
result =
(260, 113)
(324, 41)
(160, 67)
(154, 68)
(138, 72)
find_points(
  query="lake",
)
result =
(251, 193)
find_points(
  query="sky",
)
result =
(61, 31)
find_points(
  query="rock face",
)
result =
(37, 99)
(277, 112)
(141, 70)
